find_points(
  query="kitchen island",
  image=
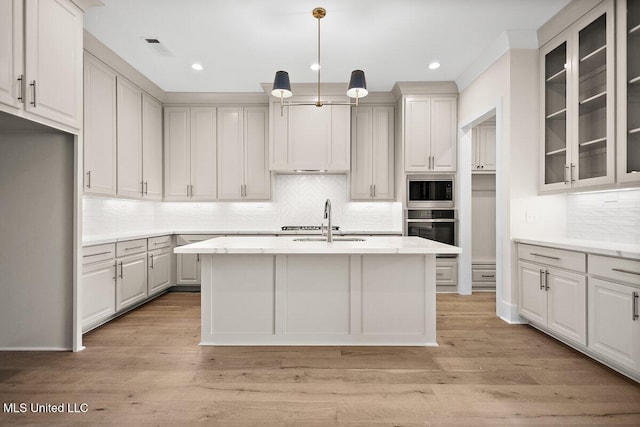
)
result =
(307, 291)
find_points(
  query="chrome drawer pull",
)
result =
(620, 270)
(160, 243)
(488, 275)
(546, 256)
(135, 247)
(101, 253)
(541, 279)
(546, 280)
(635, 306)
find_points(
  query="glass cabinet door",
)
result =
(629, 86)
(555, 115)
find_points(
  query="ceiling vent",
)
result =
(155, 44)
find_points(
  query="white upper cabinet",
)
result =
(310, 138)
(99, 128)
(628, 137)
(151, 148)
(372, 153)
(129, 114)
(430, 133)
(11, 53)
(577, 93)
(190, 153)
(242, 153)
(484, 148)
(41, 61)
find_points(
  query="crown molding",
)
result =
(426, 88)
(564, 19)
(86, 4)
(216, 98)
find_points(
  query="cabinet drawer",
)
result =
(159, 242)
(131, 247)
(483, 274)
(618, 269)
(446, 272)
(98, 253)
(570, 260)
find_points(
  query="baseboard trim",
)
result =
(509, 313)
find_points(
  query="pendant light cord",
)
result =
(318, 102)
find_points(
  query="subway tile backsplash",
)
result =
(297, 200)
(612, 216)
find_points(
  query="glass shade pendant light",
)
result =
(282, 86)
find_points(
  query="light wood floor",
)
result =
(146, 368)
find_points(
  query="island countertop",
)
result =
(289, 245)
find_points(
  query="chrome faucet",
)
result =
(327, 216)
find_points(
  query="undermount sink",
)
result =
(324, 239)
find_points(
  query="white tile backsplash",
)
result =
(297, 200)
(611, 216)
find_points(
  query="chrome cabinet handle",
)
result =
(374, 190)
(546, 256)
(21, 89)
(541, 279)
(198, 258)
(635, 306)
(566, 174)
(88, 179)
(160, 243)
(191, 189)
(187, 190)
(546, 280)
(100, 253)
(572, 169)
(621, 270)
(488, 275)
(115, 271)
(151, 265)
(33, 84)
(370, 190)
(135, 247)
(121, 270)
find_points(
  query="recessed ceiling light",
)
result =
(197, 67)
(434, 65)
(315, 67)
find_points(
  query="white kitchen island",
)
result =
(283, 291)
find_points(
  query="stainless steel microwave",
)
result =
(430, 191)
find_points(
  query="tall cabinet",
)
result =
(243, 169)
(578, 103)
(628, 137)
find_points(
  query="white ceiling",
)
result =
(241, 43)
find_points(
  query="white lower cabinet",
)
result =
(159, 270)
(554, 299)
(131, 282)
(614, 327)
(98, 293)
(446, 274)
(188, 269)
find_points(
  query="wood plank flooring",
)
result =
(146, 368)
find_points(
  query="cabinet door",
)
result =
(444, 120)
(362, 154)
(309, 137)
(99, 128)
(257, 178)
(53, 60)
(567, 304)
(230, 153)
(98, 293)
(131, 284)
(533, 297)
(340, 148)
(158, 279)
(614, 330)
(188, 269)
(593, 82)
(151, 148)
(11, 53)
(555, 90)
(417, 135)
(487, 147)
(628, 95)
(203, 153)
(177, 157)
(382, 148)
(129, 113)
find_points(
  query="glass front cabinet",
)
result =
(628, 68)
(578, 96)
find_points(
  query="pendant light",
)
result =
(282, 86)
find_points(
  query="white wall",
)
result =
(36, 249)
(297, 200)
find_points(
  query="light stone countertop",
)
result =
(100, 239)
(624, 250)
(288, 245)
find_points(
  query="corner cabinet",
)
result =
(190, 153)
(306, 137)
(372, 153)
(578, 95)
(429, 133)
(243, 171)
(628, 26)
(41, 71)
